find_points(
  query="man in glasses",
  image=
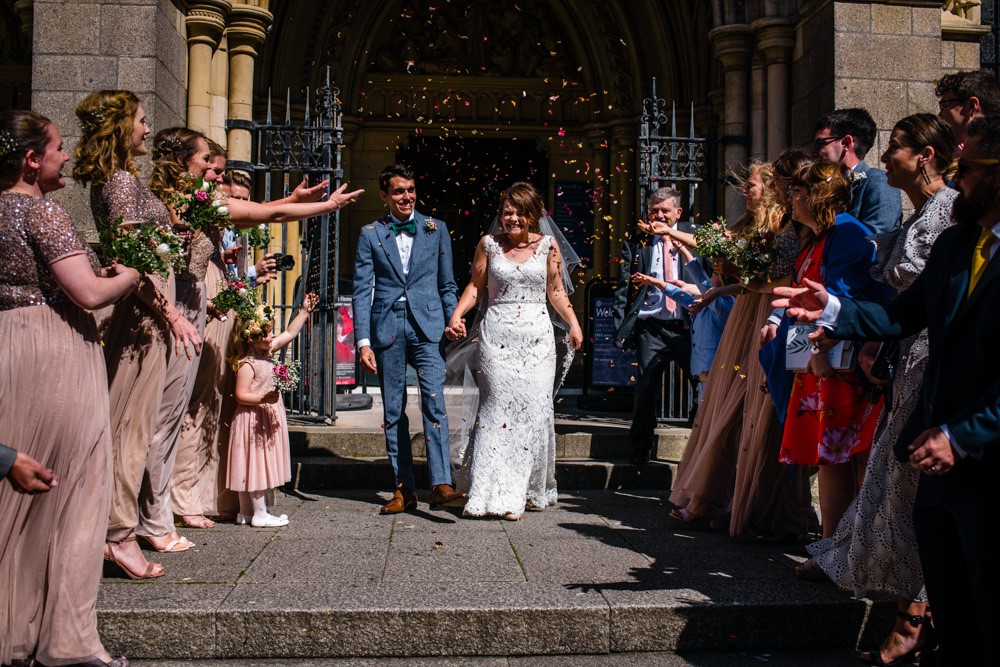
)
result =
(845, 136)
(964, 97)
(953, 435)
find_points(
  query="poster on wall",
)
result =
(573, 212)
(344, 344)
(610, 366)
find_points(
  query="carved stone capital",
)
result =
(733, 45)
(246, 29)
(206, 21)
(775, 39)
(25, 10)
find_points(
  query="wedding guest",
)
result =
(703, 490)
(964, 97)
(874, 548)
(832, 413)
(138, 332)
(655, 324)
(509, 463)
(51, 542)
(24, 473)
(180, 155)
(845, 136)
(952, 435)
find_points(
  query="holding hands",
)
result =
(455, 328)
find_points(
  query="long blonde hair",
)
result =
(768, 213)
(173, 149)
(106, 122)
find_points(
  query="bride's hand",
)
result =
(455, 328)
(575, 336)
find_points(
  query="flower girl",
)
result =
(258, 440)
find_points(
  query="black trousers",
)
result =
(659, 342)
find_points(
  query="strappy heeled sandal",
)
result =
(148, 573)
(924, 637)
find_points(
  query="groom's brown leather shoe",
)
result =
(402, 500)
(443, 495)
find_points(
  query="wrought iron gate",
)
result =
(678, 162)
(282, 154)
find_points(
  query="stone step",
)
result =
(335, 472)
(573, 441)
(600, 573)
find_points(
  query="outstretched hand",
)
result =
(303, 193)
(340, 198)
(806, 303)
(310, 302)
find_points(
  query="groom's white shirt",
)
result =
(404, 244)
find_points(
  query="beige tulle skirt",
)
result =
(706, 474)
(53, 407)
(198, 484)
(258, 448)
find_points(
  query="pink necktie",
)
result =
(668, 271)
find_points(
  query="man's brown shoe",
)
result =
(443, 495)
(402, 500)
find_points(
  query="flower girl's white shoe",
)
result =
(268, 521)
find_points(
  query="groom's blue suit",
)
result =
(403, 314)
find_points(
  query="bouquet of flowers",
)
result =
(286, 376)
(755, 254)
(258, 237)
(201, 205)
(147, 247)
(713, 239)
(238, 296)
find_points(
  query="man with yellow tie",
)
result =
(953, 436)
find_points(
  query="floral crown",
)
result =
(7, 144)
(256, 322)
(165, 146)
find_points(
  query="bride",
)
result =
(510, 459)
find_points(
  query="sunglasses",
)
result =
(820, 142)
(965, 164)
(945, 104)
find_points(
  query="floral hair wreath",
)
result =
(7, 144)
(165, 146)
(92, 119)
(257, 322)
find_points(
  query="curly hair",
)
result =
(525, 198)
(106, 126)
(21, 131)
(173, 149)
(829, 188)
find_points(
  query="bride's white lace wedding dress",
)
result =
(510, 457)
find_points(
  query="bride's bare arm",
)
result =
(559, 299)
(470, 295)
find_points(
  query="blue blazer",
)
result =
(379, 282)
(875, 202)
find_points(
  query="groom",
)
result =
(404, 293)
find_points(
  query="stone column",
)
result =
(597, 135)
(623, 196)
(219, 91)
(205, 22)
(733, 47)
(245, 34)
(775, 40)
(759, 110)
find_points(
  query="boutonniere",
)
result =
(430, 225)
(858, 176)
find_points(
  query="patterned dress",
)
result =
(874, 547)
(54, 408)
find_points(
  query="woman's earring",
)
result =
(923, 172)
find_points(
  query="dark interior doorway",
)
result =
(460, 180)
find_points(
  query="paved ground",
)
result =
(602, 572)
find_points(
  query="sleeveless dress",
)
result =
(875, 545)
(258, 437)
(54, 408)
(829, 419)
(511, 453)
(137, 343)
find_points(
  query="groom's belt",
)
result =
(399, 305)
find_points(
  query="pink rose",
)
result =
(201, 195)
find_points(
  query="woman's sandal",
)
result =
(148, 573)
(174, 546)
(810, 571)
(512, 516)
(197, 521)
(687, 521)
(924, 638)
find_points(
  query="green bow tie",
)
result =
(409, 227)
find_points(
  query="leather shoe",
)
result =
(443, 495)
(402, 500)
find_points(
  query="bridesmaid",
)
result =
(178, 155)
(875, 545)
(137, 335)
(51, 554)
